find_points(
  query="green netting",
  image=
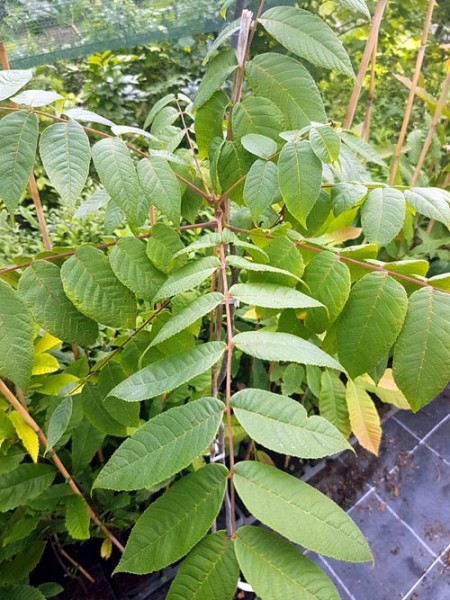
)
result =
(43, 31)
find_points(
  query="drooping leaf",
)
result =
(19, 134)
(326, 143)
(261, 188)
(218, 70)
(66, 154)
(161, 186)
(24, 483)
(209, 122)
(16, 337)
(41, 288)
(59, 421)
(270, 295)
(288, 84)
(308, 36)
(188, 277)
(256, 114)
(299, 512)
(282, 424)
(299, 178)
(26, 434)
(370, 322)
(162, 447)
(81, 114)
(422, 353)
(117, 173)
(346, 195)
(175, 522)
(209, 571)
(91, 285)
(36, 98)
(364, 417)
(168, 373)
(382, 215)
(132, 267)
(276, 569)
(195, 310)
(268, 345)
(242, 263)
(431, 202)
(162, 246)
(11, 81)
(332, 401)
(77, 519)
(329, 282)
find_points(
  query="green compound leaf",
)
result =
(431, 202)
(168, 373)
(308, 36)
(329, 282)
(217, 72)
(422, 352)
(249, 265)
(209, 122)
(282, 424)
(59, 421)
(299, 512)
(346, 195)
(276, 569)
(269, 345)
(288, 84)
(91, 285)
(370, 322)
(77, 519)
(382, 215)
(160, 186)
(256, 114)
(270, 295)
(326, 143)
(188, 277)
(24, 483)
(195, 310)
(66, 154)
(11, 81)
(132, 267)
(261, 188)
(41, 288)
(332, 401)
(209, 571)
(299, 178)
(172, 525)
(16, 337)
(19, 135)
(117, 173)
(163, 446)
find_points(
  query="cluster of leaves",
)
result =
(283, 279)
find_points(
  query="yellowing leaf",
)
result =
(386, 390)
(45, 343)
(28, 437)
(364, 418)
(106, 548)
(44, 363)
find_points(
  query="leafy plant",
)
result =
(271, 320)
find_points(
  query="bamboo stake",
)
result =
(32, 181)
(412, 92)
(365, 132)
(368, 51)
(14, 402)
(432, 129)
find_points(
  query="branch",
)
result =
(101, 247)
(14, 402)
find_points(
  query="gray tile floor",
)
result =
(403, 508)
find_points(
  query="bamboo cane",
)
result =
(368, 51)
(365, 132)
